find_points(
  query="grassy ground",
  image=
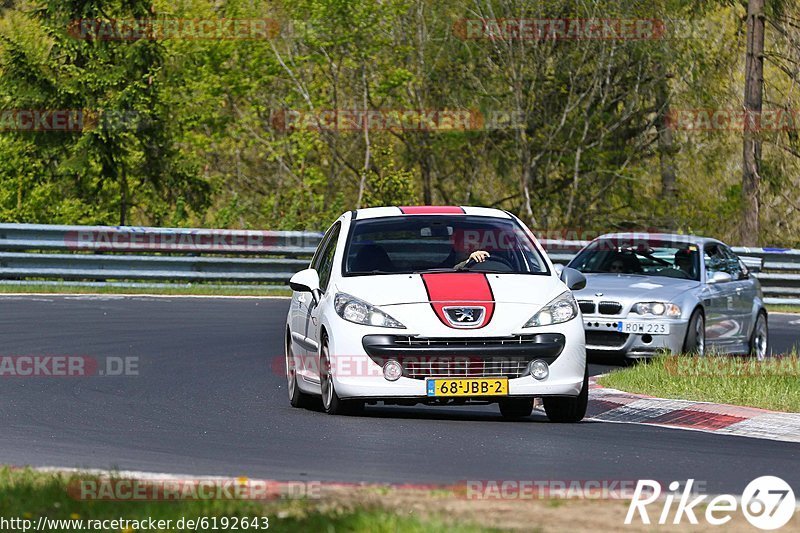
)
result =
(783, 308)
(771, 384)
(27, 494)
(171, 290)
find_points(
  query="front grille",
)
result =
(610, 308)
(611, 339)
(474, 341)
(587, 307)
(464, 367)
(425, 357)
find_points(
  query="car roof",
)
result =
(667, 237)
(413, 210)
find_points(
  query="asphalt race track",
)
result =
(207, 401)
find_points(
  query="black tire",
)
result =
(331, 403)
(759, 340)
(297, 398)
(568, 409)
(695, 341)
(515, 408)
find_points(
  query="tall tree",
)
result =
(753, 98)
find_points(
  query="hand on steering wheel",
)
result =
(478, 256)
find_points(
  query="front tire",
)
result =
(331, 402)
(695, 341)
(516, 408)
(759, 341)
(569, 409)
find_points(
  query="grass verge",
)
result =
(27, 495)
(164, 289)
(783, 308)
(771, 384)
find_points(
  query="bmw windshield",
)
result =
(419, 243)
(643, 257)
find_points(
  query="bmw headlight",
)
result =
(355, 310)
(561, 309)
(657, 309)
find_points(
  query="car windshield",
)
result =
(423, 243)
(643, 257)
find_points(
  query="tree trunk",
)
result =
(753, 96)
(124, 198)
(367, 146)
(426, 172)
(666, 152)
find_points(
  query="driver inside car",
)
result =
(478, 256)
(684, 261)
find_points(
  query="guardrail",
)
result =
(111, 254)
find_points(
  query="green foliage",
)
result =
(189, 135)
(126, 161)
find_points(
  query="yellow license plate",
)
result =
(468, 387)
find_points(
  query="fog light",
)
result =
(392, 370)
(539, 369)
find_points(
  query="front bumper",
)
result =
(562, 346)
(602, 338)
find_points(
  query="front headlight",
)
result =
(562, 309)
(657, 309)
(355, 310)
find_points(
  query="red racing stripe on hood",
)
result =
(459, 289)
(431, 210)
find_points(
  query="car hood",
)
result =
(635, 287)
(396, 289)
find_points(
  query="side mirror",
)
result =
(719, 277)
(573, 279)
(306, 281)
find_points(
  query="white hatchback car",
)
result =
(396, 307)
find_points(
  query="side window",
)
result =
(713, 259)
(325, 263)
(718, 259)
(317, 258)
(734, 266)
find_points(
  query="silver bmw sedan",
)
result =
(651, 293)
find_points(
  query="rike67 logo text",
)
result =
(767, 502)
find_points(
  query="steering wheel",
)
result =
(487, 264)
